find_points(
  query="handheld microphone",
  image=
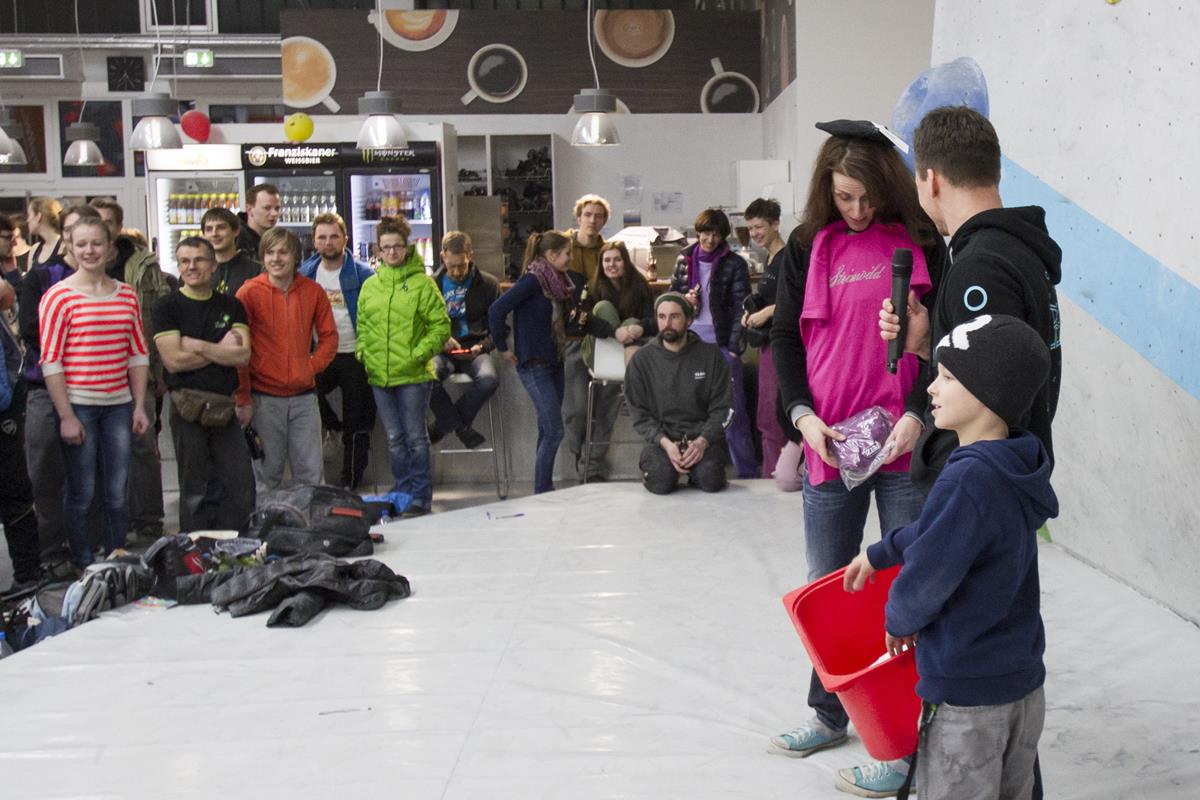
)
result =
(902, 264)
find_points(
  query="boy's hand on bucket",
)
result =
(895, 644)
(857, 573)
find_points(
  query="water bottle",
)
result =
(5, 648)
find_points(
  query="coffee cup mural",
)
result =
(415, 31)
(496, 73)
(309, 73)
(634, 38)
(728, 92)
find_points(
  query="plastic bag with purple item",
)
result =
(863, 452)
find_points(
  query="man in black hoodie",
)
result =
(680, 396)
(1001, 261)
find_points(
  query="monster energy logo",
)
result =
(387, 154)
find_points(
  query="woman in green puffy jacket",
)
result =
(402, 325)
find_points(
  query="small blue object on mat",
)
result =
(400, 501)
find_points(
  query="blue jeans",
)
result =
(452, 415)
(834, 519)
(402, 409)
(545, 386)
(107, 436)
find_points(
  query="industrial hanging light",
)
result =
(595, 127)
(83, 151)
(155, 131)
(11, 152)
(381, 128)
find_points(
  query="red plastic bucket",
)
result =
(843, 634)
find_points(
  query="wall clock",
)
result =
(126, 74)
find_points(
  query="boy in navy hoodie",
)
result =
(967, 594)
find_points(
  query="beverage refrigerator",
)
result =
(308, 177)
(181, 185)
(386, 182)
(362, 186)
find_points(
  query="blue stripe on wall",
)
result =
(1143, 301)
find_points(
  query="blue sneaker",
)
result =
(877, 779)
(806, 740)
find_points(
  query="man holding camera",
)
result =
(681, 400)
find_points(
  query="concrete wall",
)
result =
(853, 59)
(1096, 109)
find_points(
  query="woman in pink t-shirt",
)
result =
(831, 364)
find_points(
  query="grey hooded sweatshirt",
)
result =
(688, 393)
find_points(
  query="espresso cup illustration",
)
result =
(415, 31)
(634, 38)
(309, 73)
(497, 74)
(728, 92)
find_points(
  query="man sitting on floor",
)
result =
(681, 399)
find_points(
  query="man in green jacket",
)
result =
(402, 324)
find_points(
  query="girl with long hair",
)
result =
(831, 364)
(540, 303)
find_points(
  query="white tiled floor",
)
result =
(607, 644)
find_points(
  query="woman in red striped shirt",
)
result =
(95, 362)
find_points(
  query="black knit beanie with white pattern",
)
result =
(1000, 360)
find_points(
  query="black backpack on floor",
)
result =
(313, 519)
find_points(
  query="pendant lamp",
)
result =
(381, 128)
(595, 127)
(11, 152)
(83, 151)
(155, 131)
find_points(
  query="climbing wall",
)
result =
(1095, 104)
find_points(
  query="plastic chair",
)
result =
(608, 367)
(495, 438)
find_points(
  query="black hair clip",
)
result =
(863, 129)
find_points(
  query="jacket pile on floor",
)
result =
(298, 587)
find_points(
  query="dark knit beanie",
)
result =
(1000, 360)
(676, 297)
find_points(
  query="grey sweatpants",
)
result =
(290, 428)
(981, 752)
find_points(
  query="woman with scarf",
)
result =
(716, 282)
(540, 304)
(831, 364)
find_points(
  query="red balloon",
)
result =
(196, 124)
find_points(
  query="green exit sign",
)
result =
(197, 58)
(11, 59)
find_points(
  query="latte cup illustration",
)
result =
(415, 31)
(496, 73)
(309, 73)
(634, 38)
(728, 92)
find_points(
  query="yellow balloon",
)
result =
(298, 127)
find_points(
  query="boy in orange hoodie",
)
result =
(277, 391)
